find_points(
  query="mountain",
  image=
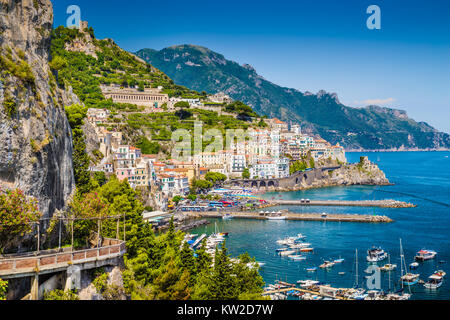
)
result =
(35, 136)
(373, 127)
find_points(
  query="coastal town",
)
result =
(268, 154)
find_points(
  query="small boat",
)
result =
(410, 279)
(314, 269)
(287, 253)
(388, 267)
(223, 234)
(306, 250)
(414, 265)
(276, 218)
(341, 273)
(326, 265)
(376, 254)
(297, 257)
(423, 255)
(307, 283)
(282, 249)
(340, 260)
(434, 282)
(440, 273)
(300, 245)
(227, 216)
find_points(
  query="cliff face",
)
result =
(35, 136)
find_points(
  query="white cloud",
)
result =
(377, 102)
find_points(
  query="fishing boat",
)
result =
(388, 267)
(414, 265)
(410, 279)
(314, 269)
(376, 254)
(434, 282)
(423, 255)
(326, 265)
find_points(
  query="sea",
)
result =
(422, 178)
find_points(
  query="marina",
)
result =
(425, 226)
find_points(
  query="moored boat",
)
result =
(440, 273)
(326, 265)
(410, 279)
(388, 267)
(306, 250)
(314, 269)
(434, 282)
(414, 265)
(287, 253)
(340, 260)
(423, 255)
(376, 254)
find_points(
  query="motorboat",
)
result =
(410, 279)
(306, 249)
(227, 216)
(388, 267)
(376, 254)
(340, 260)
(276, 218)
(423, 255)
(414, 265)
(434, 282)
(307, 283)
(297, 257)
(440, 273)
(326, 265)
(314, 269)
(287, 253)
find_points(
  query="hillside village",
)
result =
(266, 155)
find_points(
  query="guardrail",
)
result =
(11, 267)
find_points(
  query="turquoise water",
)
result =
(422, 178)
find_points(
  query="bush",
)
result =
(17, 215)
(61, 295)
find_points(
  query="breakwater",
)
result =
(298, 216)
(344, 203)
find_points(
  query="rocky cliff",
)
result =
(35, 137)
(362, 173)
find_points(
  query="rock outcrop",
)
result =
(35, 136)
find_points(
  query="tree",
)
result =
(201, 185)
(177, 199)
(222, 285)
(148, 147)
(246, 174)
(17, 215)
(3, 289)
(182, 105)
(215, 177)
(61, 295)
(188, 261)
(183, 114)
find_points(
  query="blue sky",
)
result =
(304, 44)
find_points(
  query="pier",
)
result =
(344, 203)
(298, 216)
